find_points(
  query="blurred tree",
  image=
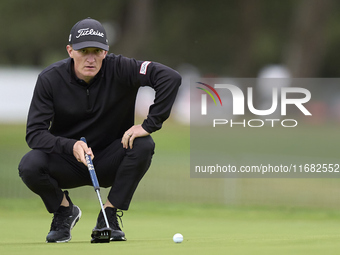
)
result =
(136, 27)
(308, 41)
(219, 37)
(36, 32)
(248, 27)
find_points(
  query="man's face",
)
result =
(87, 61)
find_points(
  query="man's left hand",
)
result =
(132, 133)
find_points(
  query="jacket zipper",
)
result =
(88, 99)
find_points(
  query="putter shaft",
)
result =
(103, 210)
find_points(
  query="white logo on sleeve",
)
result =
(144, 67)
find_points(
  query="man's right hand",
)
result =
(79, 150)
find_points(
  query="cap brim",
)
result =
(90, 44)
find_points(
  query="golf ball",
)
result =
(178, 238)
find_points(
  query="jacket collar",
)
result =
(75, 80)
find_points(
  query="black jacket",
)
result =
(63, 108)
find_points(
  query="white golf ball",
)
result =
(178, 238)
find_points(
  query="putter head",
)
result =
(101, 235)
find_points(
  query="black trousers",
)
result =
(116, 167)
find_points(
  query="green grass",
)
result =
(168, 178)
(149, 227)
(216, 216)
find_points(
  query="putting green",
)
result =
(149, 228)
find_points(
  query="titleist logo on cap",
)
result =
(88, 31)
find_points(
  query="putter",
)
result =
(102, 235)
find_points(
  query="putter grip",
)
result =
(91, 168)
